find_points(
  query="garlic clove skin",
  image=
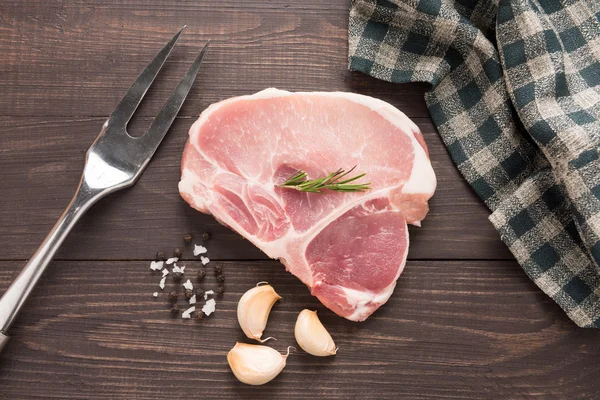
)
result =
(254, 308)
(312, 336)
(255, 364)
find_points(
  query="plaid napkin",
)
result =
(516, 98)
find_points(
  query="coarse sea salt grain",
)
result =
(165, 272)
(162, 282)
(199, 250)
(172, 260)
(156, 265)
(205, 260)
(193, 299)
(188, 285)
(209, 307)
(178, 269)
(207, 293)
(186, 314)
(155, 294)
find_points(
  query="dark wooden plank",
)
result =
(452, 330)
(77, 58)
(41, 161)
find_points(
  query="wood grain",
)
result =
(464, 322)
(40, 177)
(452, 330)
(78, 58)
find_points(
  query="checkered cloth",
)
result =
(516, 98)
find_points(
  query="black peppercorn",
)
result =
(189, 293)
(177, 253)
(221, 290)
(187, 238)
(199, 315)
(201, 275)
(161, 256)
(173, 296)
(220, 278)
(199, 293)
(206, 236)
(218, 269)
(177, 276)
(175, 309)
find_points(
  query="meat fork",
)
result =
(113, 162)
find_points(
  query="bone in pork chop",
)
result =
(348, 248)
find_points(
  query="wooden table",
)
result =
(464, 322)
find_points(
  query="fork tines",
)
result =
(165, 117)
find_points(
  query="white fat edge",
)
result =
(165, 272)
(205, 260)
(186, 314)
(208, 293)
(359, 298)
(161, 284)
(156, 265)
(362, 300)
(172, 260)
(199, 250)
(362, 310)
(186, 185)
(209, 307)
(422, 178)
(193, 299)
(188, 285)
(155, 294)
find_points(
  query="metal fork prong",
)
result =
(167, 114)
(130, 102)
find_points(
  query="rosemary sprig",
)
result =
(333, 181)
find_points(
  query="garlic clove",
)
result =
(255, 364)
(312, 336)
(254, 308)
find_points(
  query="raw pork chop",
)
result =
(348, 248)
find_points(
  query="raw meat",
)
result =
(348, 248)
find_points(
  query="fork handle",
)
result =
(15, 296)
